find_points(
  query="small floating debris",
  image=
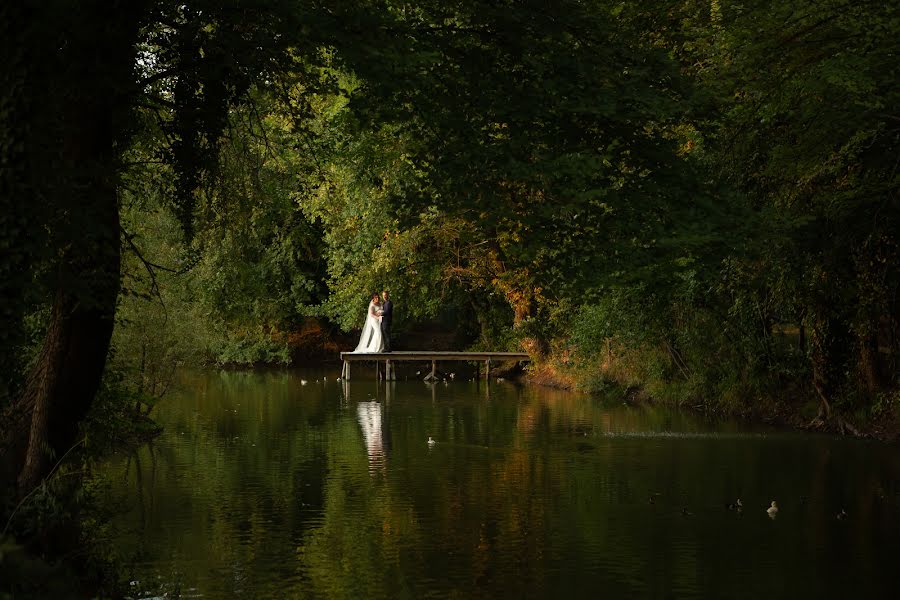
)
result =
(303, 382)
(772, 511)
(841, 515)
(431, 441)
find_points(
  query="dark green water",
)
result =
(264, 487)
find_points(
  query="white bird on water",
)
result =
(772, 510)
(431, 441)
(303, 382)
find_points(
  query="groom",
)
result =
(387, 315)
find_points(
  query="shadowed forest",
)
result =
(693, 202)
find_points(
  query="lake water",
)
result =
(280, 484)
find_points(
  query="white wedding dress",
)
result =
(371, 339)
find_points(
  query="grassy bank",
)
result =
(652, 374)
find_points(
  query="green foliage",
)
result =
(118, 417)
(684, 186)
(672, 189)
(250, 348)
(55, 542)
(229, 295)
(798, 133)
(699, 198)
(540, 131)
(63, 513)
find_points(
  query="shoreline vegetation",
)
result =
(791, 407)
(614, 369)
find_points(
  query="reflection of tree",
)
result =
(240, 471)
(365, 543)
(530, 492)
(369, 416)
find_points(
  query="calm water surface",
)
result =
(274, 485)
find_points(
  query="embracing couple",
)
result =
(376, 333)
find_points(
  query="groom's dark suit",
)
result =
(387, 315)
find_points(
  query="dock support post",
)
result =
(487, 370)
(347, 370)
(433, 375)
(388, 371)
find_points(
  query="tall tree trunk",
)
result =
(79, 81)
(62, 384)
(522, 301)
(870, 370)
(63, 381)
(829, 343)
(872, 303)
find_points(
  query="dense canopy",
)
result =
(697, 198)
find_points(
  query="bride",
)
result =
(371, 340)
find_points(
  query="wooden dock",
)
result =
(389, 358)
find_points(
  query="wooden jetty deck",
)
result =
(388, 358)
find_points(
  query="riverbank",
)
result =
(782, 397)
(793, 406)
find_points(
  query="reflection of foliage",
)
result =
(356, 550)
(262, 486)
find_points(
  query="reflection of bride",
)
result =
(371, 340)
(369, 416)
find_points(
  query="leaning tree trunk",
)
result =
(872, 302)
(79, 83)
(829, 350)
(63, 382)
(522, 301)
(869, 366)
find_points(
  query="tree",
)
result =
(70, 116)
(77, 75)
(540, 137)
(807, 134)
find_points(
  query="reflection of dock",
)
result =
(388, 358)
